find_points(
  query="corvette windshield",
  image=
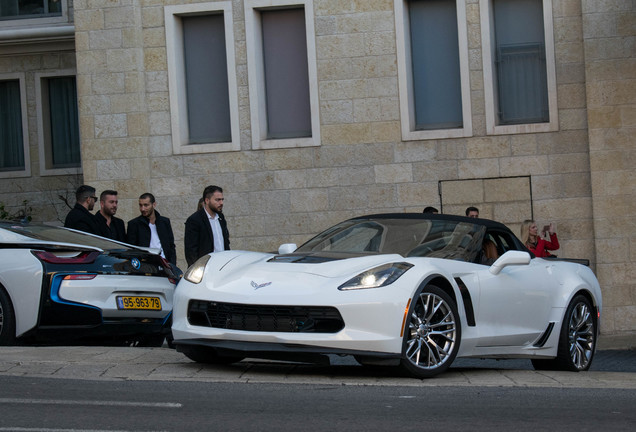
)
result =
(407, 237)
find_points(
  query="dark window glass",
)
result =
(11, 139)
(57, 234)
(435, 63)
(520, 62)
(12, 9)
(406, 237)
(207, 92)
(63, 123)
(286, 73)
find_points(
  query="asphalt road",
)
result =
(44, 404)
(94, 389)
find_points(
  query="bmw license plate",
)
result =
(135, 302)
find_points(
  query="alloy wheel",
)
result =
(432, 332)
(581, 335)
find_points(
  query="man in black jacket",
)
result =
(206, 230)
(110, 226)
(152, 230)
(80, 216)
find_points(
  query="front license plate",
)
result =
(135, 302)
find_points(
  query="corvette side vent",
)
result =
(468, 302)
(544, 337)
(265, 318)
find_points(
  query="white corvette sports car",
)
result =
(416, 290)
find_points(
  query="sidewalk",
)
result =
(164, 364)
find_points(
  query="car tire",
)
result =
(202, 354)
(432, 333)
(577, 340)
(7, 319)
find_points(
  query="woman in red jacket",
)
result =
(539, 246)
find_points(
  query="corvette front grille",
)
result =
(265, 318)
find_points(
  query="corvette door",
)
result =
(515, 304)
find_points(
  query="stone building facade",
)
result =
(365, 146)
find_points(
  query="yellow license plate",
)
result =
(140, 303)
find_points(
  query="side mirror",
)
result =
(287, 248)
(508, 259)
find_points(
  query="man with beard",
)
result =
(206, 230)
(152, 230)
(80, 216)
(109, 225)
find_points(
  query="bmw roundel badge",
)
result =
(135, 263)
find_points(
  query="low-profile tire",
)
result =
(432, 333)
(7, 319)
(203, 354)
(544, 364)
(577, 340)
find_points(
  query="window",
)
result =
(519, 68)
(202, 78)
(16, 9)
(14, 155)
(58, 124)
(282, 73)
(433, 69)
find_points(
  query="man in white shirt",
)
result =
(206, 230)
(152, 230)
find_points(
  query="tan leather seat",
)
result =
(490, 250)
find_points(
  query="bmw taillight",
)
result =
(83, 257)
(80, 277)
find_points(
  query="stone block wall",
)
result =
(609, 32)
(362, 166)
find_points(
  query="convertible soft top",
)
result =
(489, 224)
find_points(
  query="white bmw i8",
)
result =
(62, 285)
(415, 290)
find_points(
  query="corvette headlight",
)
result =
(195, 272)
(376, 277)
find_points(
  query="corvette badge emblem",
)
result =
(263, 285)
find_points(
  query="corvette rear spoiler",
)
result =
(585, 262)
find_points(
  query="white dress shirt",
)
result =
(217, 232)
(155, 243)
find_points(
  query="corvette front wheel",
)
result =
(432, 333)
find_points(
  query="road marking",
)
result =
(98, 403)
(19, 429)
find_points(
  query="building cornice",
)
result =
(37, 39)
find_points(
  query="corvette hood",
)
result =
(248, 267)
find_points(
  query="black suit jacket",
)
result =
(198, 236)
(116, 230)
(139, 234)
(81, 219)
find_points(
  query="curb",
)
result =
(163, 364)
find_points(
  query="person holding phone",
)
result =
(539, 245)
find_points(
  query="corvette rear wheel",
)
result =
(203, 354)
(432, 333)
(577, 341)
(7, 320)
